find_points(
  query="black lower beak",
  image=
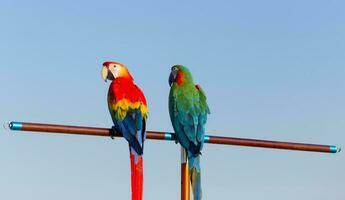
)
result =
(110, 76)
(171, 79)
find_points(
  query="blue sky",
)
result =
(271, 70)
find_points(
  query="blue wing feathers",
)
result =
(133, 128)
(189, 119)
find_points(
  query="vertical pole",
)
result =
(185, 189)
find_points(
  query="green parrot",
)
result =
(188, 111)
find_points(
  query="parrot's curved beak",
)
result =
(105, 73)
(171, 79)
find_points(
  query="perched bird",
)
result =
(188, 111)
(128, 110)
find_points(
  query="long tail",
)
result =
(137, 173)
(195, 175)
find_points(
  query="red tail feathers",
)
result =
(137, 177)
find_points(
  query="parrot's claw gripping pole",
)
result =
(113, 132)
(176, 140)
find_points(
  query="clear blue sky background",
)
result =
(271, 70)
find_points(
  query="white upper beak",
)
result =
(105, 73)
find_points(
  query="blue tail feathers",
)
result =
(195, 175)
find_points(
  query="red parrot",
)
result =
(128, 110)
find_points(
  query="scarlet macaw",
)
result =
(128, 109)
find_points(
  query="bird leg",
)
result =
(112, 132)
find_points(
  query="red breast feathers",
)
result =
(123, 94)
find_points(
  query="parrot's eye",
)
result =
(174, 69)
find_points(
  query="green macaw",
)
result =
(188, 111)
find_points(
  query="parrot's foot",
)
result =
(176, 140)
(112, 132)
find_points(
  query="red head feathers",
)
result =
(112, 70)
(123, 94)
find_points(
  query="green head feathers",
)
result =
(180, 75)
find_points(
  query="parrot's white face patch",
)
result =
(114, 70)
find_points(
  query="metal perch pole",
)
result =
(155, 135)
(185, 188)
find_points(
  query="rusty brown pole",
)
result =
(185, 188)
(155, 135)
